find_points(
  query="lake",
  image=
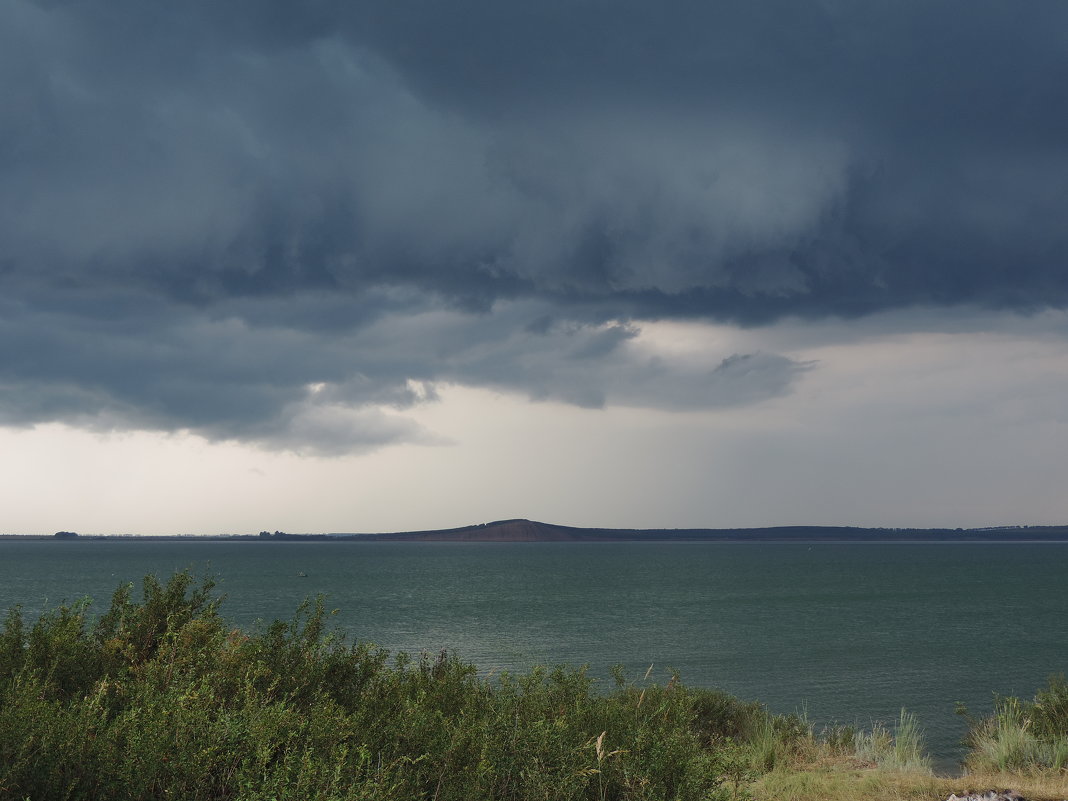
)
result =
(840, 632)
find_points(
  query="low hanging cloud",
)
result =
(329, 392)
(209, 209)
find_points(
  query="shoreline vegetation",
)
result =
(159, 697)
(522, 530)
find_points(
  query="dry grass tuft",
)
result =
(1034, 786)
(842, 784)
(836, 782)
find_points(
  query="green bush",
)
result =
(159, 698)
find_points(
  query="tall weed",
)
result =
(1023, 735)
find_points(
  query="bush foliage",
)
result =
(160, 698)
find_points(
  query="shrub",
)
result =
(159, 698)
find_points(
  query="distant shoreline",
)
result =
(520, 530)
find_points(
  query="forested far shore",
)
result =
(522, 530)
(156, 695)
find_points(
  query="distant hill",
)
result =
(520, 530)
(516, 530)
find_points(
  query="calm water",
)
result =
(846, 632)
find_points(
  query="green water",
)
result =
(844, 632)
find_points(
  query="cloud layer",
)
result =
(276, 223)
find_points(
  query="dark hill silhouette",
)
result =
(521, 530)
(516, 530)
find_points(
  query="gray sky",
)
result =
(348, 266)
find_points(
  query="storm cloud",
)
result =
(287, 223)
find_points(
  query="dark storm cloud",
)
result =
(321, 391)
(211, 212)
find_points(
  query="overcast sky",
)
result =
(362, 266)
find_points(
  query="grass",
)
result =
(1023, 736)
(890, 765)
(841, 783)
(846, 763)
(847, 784)
(900, 750)
(1021, 746)
(159, 698)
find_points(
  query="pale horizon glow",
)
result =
(856, 443)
